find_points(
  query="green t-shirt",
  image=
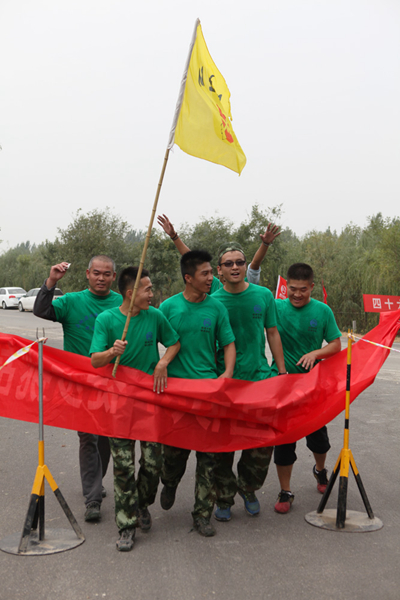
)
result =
(250, 312)
(145, 331)
(77, 312)
(199, 326)
(303, 330)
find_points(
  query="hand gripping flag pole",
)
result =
(35, 541)
(345, 520)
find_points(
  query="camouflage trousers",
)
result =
(252, 471)
(130, 494)
(174, 467)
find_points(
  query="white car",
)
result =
(27, 301)
(9, 296)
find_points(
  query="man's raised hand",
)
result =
(166, 224)
(270, 234)
(57, 272)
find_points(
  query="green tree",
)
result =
(355, 262)
(208, 235)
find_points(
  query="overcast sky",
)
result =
(88, 90)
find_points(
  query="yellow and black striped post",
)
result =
(345, 460)
(36, 512)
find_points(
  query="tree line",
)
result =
(355, 261)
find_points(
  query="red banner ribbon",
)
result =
(206, 415)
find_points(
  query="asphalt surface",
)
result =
(256, 558)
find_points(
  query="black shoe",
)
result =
(144, 519)
(92, 512)
(126, 540)
(204, 526)
(167, 497)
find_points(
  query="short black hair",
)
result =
(300, 272)
(127, 278)
(191, 260)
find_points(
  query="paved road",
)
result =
(271, 556)
(26, 324)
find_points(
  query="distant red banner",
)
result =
(213, 415)
(378, 303)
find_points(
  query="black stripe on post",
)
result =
(342, 503)
(328, 490)
(30, 518)
(364, 496)
(68, 514)
(348, 378)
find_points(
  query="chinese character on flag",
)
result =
(203, 127)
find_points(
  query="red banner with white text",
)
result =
(206, 415)
(380, 303)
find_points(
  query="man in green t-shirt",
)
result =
(251, 313)
(77, 312)
(147, 327)
(201, 322)
(304, 324)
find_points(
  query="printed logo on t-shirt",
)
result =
(149, 339)
(206, 327)
(84, 322)
(313, 325)
(257, 312)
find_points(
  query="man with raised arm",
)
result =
(304, 324)
(252, 313)
(147, 327)
(201, 322)
(77, 312)
(254, 268)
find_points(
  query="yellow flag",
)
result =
(204, 126)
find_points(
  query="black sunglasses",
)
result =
(229, 263)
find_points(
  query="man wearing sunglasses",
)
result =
(251, 312)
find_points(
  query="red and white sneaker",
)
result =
(322, 479)
(284, 502)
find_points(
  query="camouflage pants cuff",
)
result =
(206, 514)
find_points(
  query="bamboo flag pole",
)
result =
(153, 213)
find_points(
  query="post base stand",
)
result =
(356, 522)
(55, 540)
